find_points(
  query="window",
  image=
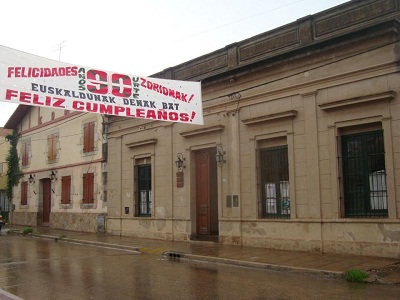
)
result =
(24, 193)
(275, 182)
(52, 141)
(66, 190)
(364, 175)
(4, 203)
(144, 190)
(25, 153)
(88, 137)
(88, 188)
(3, 168)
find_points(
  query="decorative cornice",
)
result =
(357, 100)
(343, 23)
(267, 118)
(141, 143)
(202, 131)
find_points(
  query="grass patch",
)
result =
(358, 276)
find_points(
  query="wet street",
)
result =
(34, 268)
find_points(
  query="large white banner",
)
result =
(32, 80)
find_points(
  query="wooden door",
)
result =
(46, 200)
(202, 192)
(206, 193)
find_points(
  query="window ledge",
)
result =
(66, 206)
(90, 153)
(88, 206)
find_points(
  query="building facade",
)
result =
(62, 156)
(300, 147)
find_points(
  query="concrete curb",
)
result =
(249, 264)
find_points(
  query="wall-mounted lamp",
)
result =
(179, 162)
(219, 156)
(52, 176)
(31, 179)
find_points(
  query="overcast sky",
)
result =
(139, 37)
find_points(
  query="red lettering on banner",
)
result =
(118, 109)
(41, 72)
(122, 85)
(147, 84)
(48, 99)
(25, 97)
(58, 102)
(151, 114)
(129, 112)
(11, 93)
(109, 109)
(78, 105)
(173, 116)
(97, 82)
(162, 115)
(184, 117)
(35, 99)
(140, 113)
(106, 109)
(193, 115)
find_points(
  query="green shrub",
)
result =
(355, 276)
(27, 230)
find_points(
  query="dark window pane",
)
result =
(275, 182)
(144, 195)
(364, 175)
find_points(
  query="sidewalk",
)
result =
(380, 270)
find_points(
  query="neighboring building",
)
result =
(62, 157)
(4, 148)
(305, 122)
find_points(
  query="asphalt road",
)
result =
(34, 268)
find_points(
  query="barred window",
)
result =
(143, 176)
(275, 182)
(364, 175)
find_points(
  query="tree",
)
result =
(14, 173)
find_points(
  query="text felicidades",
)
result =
(41, 72)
